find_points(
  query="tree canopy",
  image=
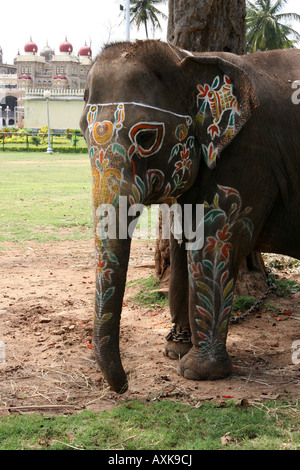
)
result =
(144, 11)
(268, 27)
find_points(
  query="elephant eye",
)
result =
(86, 95)
(146, 139)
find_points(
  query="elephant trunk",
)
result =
(112, 256)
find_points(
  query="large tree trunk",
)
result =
(201, 26)
(208, 25)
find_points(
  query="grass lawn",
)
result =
(159, 425)
(48, 198)
(45, 197)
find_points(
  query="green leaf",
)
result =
(249, 225)
(221, 266)
(141, 185)
(175, 151)
(191, 142)
(208, 264)
(113, 258)
(216, 83)
(118, 149)
(228, 300)
(213, 214)
(108, 294)
(206, 301)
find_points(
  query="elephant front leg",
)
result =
(179, 339)
(228, 232)
(211, 293)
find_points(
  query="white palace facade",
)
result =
(22, 85)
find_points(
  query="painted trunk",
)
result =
(111, 268)
(112, 245)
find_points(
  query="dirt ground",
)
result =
(46, 315)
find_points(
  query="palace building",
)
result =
(34, 71)
(50, 70)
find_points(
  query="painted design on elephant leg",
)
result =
(219, 101)
(211, 270)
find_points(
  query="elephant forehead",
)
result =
(99, 107)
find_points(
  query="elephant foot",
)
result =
(194, 366)
(178, 342)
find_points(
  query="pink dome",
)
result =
(85, 51)
(66, 47)
(31, 47)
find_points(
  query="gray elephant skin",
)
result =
(214, 130)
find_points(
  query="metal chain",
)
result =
(178, 335)
(271, 288)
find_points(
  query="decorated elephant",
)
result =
(218, 131)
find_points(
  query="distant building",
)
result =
(64, 74)
(66, 107)
(8, 93)
(50, 70)
(6, 69)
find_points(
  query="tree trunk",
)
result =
(208, 25)
(201, 26)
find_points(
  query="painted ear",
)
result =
(225, 100)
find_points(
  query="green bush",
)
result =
(44, 130)
(65, 142)
(35, 140)
(242, 304)
(63, 149)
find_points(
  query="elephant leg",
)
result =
(179, 339)
(210, 306)
(213, 270)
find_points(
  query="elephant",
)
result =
(215, 130)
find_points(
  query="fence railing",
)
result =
(36, 141)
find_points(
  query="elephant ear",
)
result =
(225, 100)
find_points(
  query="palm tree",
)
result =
(266, 27)
(143, 11)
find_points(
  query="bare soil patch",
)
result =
(46, 320)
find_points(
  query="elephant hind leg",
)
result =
(178, 342)
(179, 339)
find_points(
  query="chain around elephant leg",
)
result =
(178, 342)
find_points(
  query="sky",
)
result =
(96, 22)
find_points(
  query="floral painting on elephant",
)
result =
(210, 269)
(194, 128)
(219, 100)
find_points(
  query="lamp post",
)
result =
(47, 94)
(127, 20)
(7, 111)
(127, 17)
